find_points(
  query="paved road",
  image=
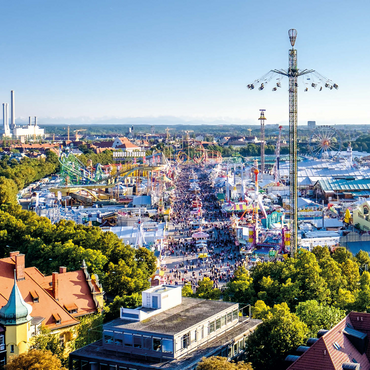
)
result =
(181, 256)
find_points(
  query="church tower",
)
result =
(15, 317)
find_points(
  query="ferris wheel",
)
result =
(325, 142)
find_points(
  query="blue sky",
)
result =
(183, 59)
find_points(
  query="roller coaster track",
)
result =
(126, 173)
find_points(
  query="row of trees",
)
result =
(122, 269)
(103, 158)
(28, 170)
(295, 298)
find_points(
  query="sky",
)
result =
(181, 61)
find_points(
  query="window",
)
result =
(195, 335)
(57, 318)
(185, 340)
(167, 345)
(211, 327)
(108, 339)
(61, 341)
(337, 346)
(75, 364)
(137, 341)
(235, 314)
(241, 344)
(118, 341)
(71, 308)
(218, 324)
(12, 348)
(2, 344)
(157, 344)
(223, 320)
(127, 339)
(85, 365)
(35, 296)
(229, 352)
(147, 342)
(236, 349)
(229, 317)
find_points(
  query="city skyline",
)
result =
(180, 62)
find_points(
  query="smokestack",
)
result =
(55, 285)
(29, 121)
(20, 265)
(6, 119)
(35, 121)
(12, 115)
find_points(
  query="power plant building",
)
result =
(24, 132)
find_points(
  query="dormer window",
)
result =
(71, 308)
(57, 318)
(35, 296)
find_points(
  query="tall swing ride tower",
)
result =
(315, 80)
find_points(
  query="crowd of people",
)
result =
(189, 261)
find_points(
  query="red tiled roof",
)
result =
(73, 288)
(104, 144)
(323, 354)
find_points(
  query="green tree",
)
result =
(312, 285)
(280, 333)
(47, 341)
(205, 290)
(240, 289)
(89, 330)
(341, 254)
(35, 360)
(112, 311)
(187, 290)
(350, 270)
(317, 316)
(332, 273)
(221, 363)
(321, 252)
(260, 310)
(8, 191)
(146, 260)
(363, 298)
(363, 259)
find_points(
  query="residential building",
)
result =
(361, 216)
(118, 143)
(345, 346)
(168, 332)
(29, 299)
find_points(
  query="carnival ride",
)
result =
(74, 172)
(197, 154)
(312, 79)
(89, 184)
(325, 142)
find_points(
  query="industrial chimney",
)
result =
(6, 120)
(12, 115)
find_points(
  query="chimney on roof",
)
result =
(62, 269)
(20, 260)
(13, 254)
(55, 285)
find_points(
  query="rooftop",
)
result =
(174, 320)
(98, 352)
